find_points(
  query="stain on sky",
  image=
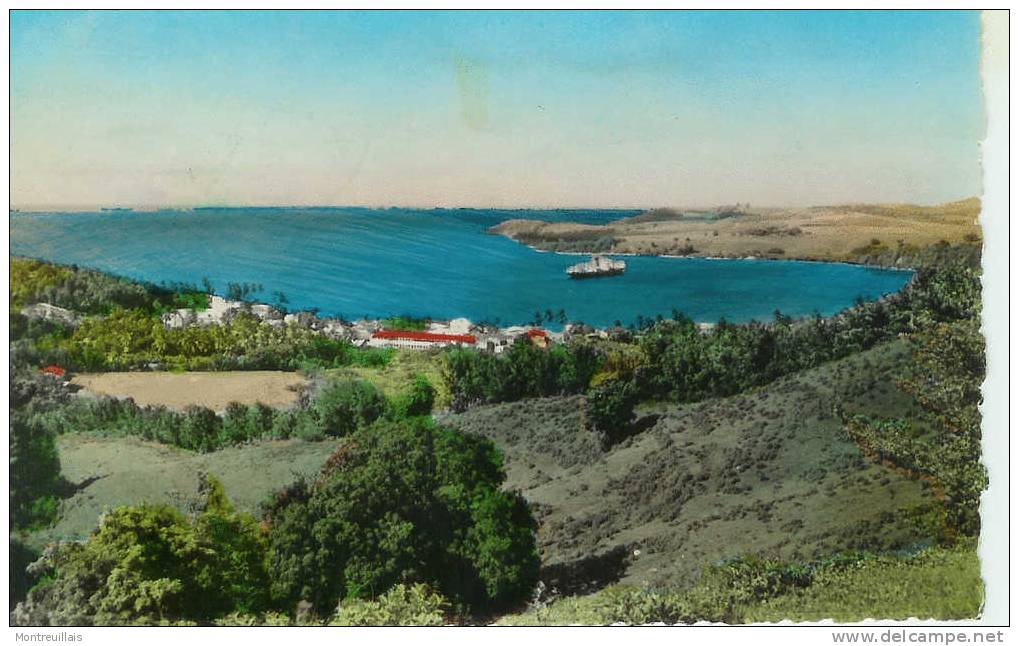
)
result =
(472, 84)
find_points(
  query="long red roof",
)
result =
(413, 335)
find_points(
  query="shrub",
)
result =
(345, 406)
(403, 605)
(201, 430)
(418, 400)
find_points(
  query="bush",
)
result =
(417, 401)
(345, 406)
(403, 503)
(403, 605)
(201, 430)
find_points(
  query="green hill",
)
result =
(770, 472)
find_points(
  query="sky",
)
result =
(493, 109)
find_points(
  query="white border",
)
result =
(996, 503)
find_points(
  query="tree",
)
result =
(201, 429)
(35, 481)
(21, 556)
(345, 406)
(609, 410)
(152, 563)
(404, 502)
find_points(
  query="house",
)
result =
(538, 337)
(418, 340)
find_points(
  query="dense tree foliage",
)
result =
(132, 338)
(35, 484)
(94, 292)
(30, 277)
(403, 503)
(35, 481)
(342, 408)
(21, 557)
(151, 563)
(126, 332)
(523, 370)
(418, 400)
(686, 364)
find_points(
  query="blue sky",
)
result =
(494, 108)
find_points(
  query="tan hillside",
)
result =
(843, 232)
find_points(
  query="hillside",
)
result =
(769, 472)
(853, 233)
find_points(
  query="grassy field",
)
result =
(210, 389)
(126, 471)
(770, 472)
(841, 233)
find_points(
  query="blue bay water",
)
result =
(354, 262)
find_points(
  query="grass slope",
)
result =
(935, 583)
(940, 584)
(770, 472)
(127, 471)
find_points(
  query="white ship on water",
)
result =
(597, 266)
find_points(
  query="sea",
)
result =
(437, 263)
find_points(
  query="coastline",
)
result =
(892, 236)
(630, 254)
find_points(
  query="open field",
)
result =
(210, 389)
(128, 471)
(833, 233)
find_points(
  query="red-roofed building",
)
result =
(538, 337)
(415, 339)
(54, 370)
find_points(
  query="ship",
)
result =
(596, 267)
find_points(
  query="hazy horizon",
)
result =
(445, 109)
(150, 208)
